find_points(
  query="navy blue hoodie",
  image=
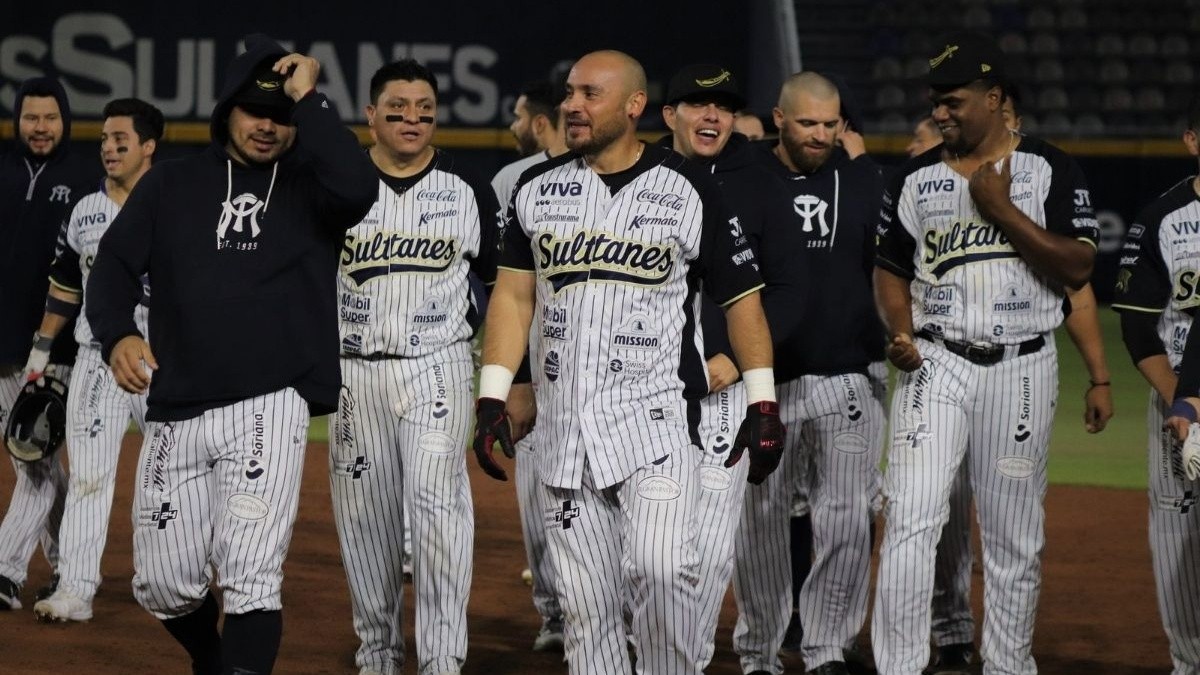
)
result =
(763, 209)
(36, 197)
(242, 260)
(834, 212)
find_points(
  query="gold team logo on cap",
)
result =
(937, 61)
(714, 81)
(267, 85)
(983, 67)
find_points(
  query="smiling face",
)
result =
(257, 140)
(701, 128)
(966, 115)
(601, 105)
(413, 104)
(123, 155)
(40, 124)
(808, 128)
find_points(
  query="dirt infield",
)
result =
(1098, 613)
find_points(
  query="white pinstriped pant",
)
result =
(636, 542)
(1174, 543)
(722, 492)
(952, 622)
(1002, 415)
(533, 528)
(35, 510)
(98, 413)
(398, 442)
(834, 428)
(218, 491)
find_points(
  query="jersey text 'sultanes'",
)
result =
(616, 349)
(969, 282)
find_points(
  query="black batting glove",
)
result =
(762, 434)
(491, 425)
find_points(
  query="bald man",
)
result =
(606, 247)
(824, 396)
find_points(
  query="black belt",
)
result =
(377, 356)
(983, 353)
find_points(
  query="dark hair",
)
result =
(542, 97)
(147, 120)
(41, 88)
(1193, 114)
(404, 69)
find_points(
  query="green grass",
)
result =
(1115, 457)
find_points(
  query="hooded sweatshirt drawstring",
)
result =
(32, 179)
(229, 183)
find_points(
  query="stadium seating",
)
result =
(1084, 67)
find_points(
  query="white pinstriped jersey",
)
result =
(402, 280)
(615, 348)
(1160, 266)
(968, 281)
(77, 248)
(506, 178)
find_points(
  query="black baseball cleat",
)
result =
(830, 668)
(859, 661)
(10, 594)
(951, 658)
(47, 590)
(793, 636)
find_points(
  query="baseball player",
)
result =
(405, 407)
(1155, 296)
(241, 242)
(976, 242)
(98, 410)
(952, 622)
(699, 109)
(825, 397)
(40, 180)
(538, 129)
(605, 246)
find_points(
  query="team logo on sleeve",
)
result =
(389, 252)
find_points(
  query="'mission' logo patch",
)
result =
(601, 257)
(962, 244)
(389, 252)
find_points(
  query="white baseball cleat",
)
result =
(62, 607)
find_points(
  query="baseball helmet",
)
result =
(37, 423)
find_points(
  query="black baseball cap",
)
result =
(262, 95)
(704, 81)
(962, 57)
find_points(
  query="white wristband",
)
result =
(760, 384)
(494, 381)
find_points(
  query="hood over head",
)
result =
(250, 83)
(42, 86)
